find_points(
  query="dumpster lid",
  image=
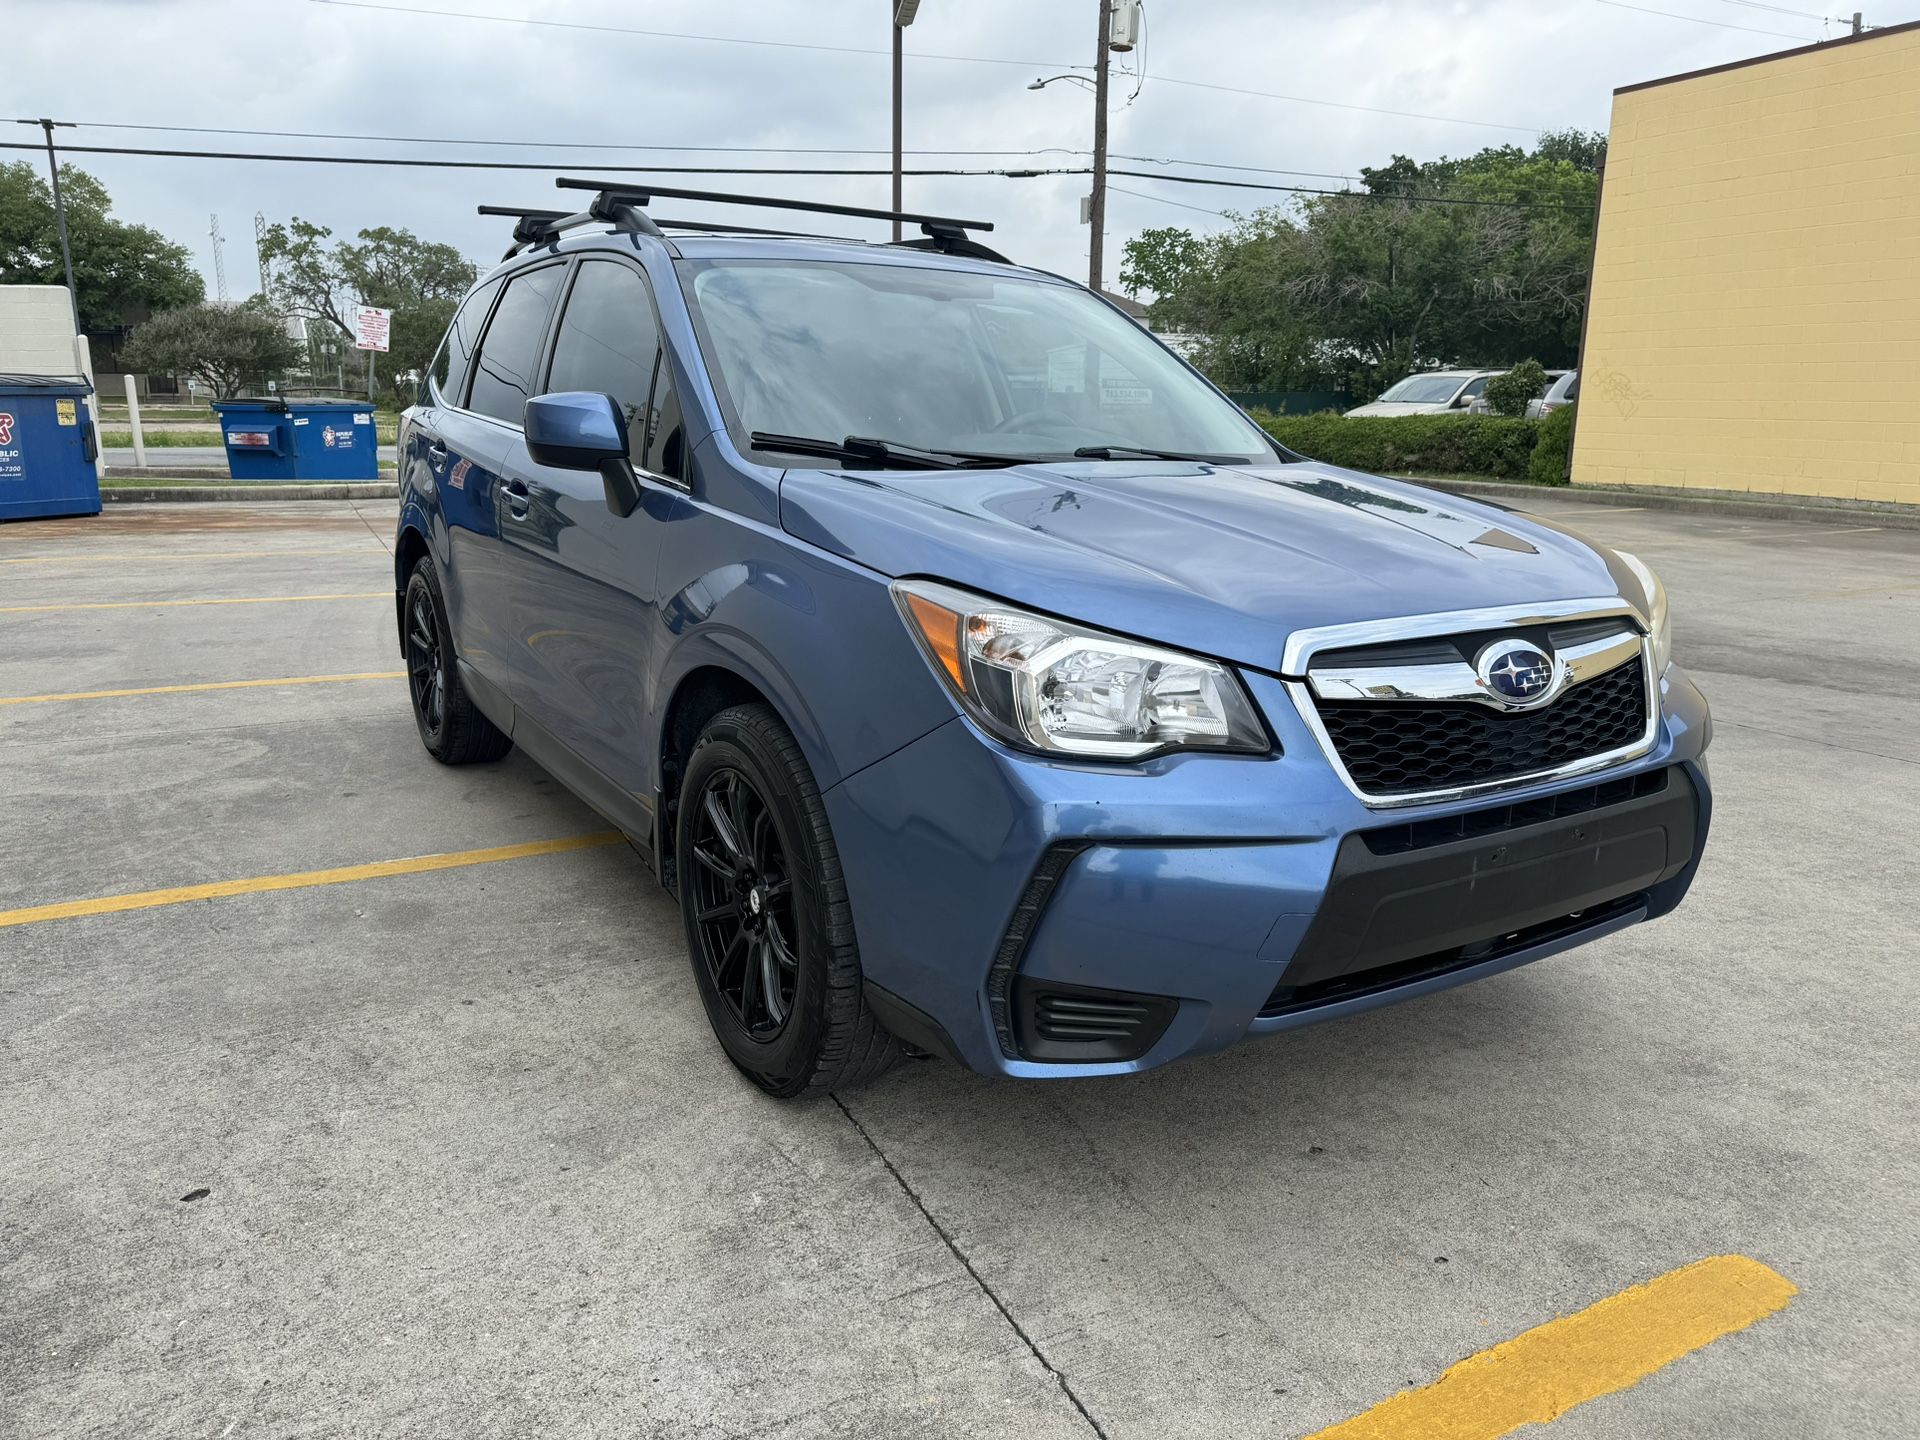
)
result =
(283, 406)
(60, 384)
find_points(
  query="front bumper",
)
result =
(1235, 895)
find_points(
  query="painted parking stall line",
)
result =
(201, 686)
(174, 604)
(302, 880)
(82, 556)
(1612, 1344)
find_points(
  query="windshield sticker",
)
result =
(1115, 391)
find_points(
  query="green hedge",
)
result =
(1554, 452)
(1492, 445)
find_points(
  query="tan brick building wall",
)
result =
(1755, 317)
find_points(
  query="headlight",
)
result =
(1049, 685)
(1659, 618)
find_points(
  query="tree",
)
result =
(1509, 394)
(226, 346)
(122, 272)
(420, 281)
(1448, 261)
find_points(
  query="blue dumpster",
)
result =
(275, 439)
(47, 447)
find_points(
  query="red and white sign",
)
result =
(371, 326)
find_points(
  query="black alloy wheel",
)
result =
(743, 912)
(426, 664)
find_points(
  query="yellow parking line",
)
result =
(258, 884)
(178, 555)
(205, 685)
(166, 604)
(1610, 1345)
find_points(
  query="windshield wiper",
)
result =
(1115, 452)
(881, 452)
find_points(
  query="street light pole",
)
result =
(903, 13)
(60, 210)
(1097, 207)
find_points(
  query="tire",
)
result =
(451, 726)
(810, 1031)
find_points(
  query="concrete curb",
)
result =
(343, 490)
(1730, 504)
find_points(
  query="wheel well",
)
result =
(413, 545)
(703, 694)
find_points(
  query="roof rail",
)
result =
(943, 232)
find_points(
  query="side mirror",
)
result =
(583, 430)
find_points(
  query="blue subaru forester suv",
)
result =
(983, 683)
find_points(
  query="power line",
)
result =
(1177, 204)
(549, 166)
(670, 149)
(1783, 10)
(911, 55)
(682, 35)
(1697, 20)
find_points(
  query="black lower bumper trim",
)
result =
(1446, 903)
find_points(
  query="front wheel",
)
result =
(768, 920)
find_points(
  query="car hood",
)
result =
(1395, 407)
(1222, 560)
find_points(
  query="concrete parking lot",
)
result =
(450, 1151)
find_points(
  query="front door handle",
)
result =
(517, 498)
(436, 454)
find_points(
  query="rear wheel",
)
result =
(768, 920)
(451, 726)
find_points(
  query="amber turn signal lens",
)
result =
(940, 628)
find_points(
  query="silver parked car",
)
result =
(1432, 392)
(1560, 394)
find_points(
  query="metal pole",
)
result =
(60, 210)
(133, 419)
(369, 377)
(899, 33)
(1097, 210)
(1856, 22)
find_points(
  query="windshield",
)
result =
(946, 360)
(1423, 390)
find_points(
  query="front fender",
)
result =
(818, 636)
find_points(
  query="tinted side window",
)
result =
(666, 449)
(609, 342)
(450, 365)
(504, 369)
(1474, 388)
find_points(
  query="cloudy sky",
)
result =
(1346, 83)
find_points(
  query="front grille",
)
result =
(1402, 748)
(1474, 824)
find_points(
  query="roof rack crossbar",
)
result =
(713, 227)
(640, 194)
(537, 227)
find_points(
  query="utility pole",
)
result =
(60, 209)
(903, 13)
(1097, 208)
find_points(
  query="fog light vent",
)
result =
(1072, 1023)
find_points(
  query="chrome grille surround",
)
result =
(1454, 681)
